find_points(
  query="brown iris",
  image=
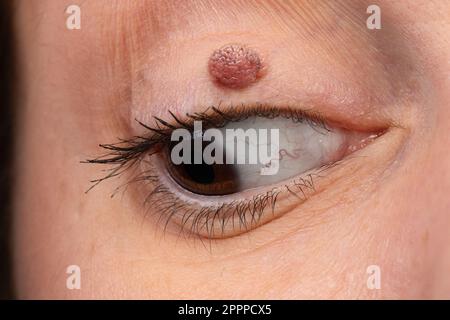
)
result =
(205, 179)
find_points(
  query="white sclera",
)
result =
(302, 146)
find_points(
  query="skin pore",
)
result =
(387, 205)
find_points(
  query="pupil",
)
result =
(200, 173)
(207, 179)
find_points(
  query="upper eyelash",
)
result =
(127, 153)
(128, 150)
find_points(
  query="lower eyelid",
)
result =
(344, 186)
(196, 215)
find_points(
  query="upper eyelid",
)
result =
(126, 152)
(218, 117)
(145, 19)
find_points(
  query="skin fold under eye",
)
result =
(221, 200)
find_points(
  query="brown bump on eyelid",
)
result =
(235, 66)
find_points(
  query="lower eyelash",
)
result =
(202, 221)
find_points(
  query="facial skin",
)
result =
(388, 206)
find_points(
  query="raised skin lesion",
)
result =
(235, 66)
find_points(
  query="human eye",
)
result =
(273, 162)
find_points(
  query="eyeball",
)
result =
(245, 151)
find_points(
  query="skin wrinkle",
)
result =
(332, 58)
(142, 102)
(160, 30)
(134, 50)
(302, 14)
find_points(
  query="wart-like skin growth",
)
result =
(235, 66)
